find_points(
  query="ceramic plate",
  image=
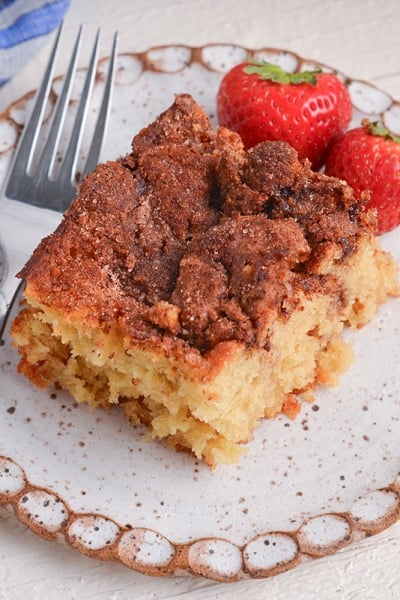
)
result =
(305, 489)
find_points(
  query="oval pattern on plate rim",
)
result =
(43, 511)
(270, 553)
(376, 510)
(169, 59)
(92, 534)
(216, 559)
(12, 479)
(324, 534)
(146, 550)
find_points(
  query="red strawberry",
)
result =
(368, 158)
(262, 102)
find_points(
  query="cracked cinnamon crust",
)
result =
(200, 286)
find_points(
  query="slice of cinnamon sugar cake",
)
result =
(201, 286)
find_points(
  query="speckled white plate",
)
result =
(306, 488)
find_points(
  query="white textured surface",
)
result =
(359, 37)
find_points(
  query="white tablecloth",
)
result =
(359, 37)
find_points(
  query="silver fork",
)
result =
(36, 184)
(40, 188)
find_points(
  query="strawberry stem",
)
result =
(266, 70)
(377, 128)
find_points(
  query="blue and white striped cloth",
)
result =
(24, 25)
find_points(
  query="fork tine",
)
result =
(27, 142)
(49, 151)
(42, 187)
(101, 123)
(71, 155)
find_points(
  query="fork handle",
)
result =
(4, 269)
(10, 289)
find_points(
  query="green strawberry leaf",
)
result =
(377, 128)
(266, 70)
